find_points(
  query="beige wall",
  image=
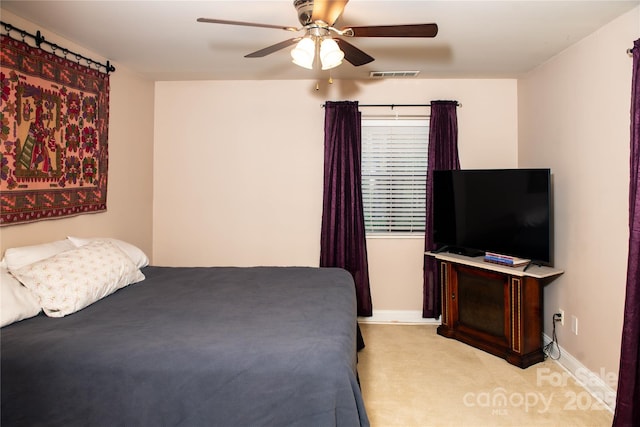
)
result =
(574, 117)
(238, 170)
(130, 182)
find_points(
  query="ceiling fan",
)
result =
(321, 39)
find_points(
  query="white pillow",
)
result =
(16, 301)
(71, 280)
(138, 257)
(19, 257)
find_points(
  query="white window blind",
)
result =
(394, 173)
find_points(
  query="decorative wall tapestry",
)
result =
(53, 135)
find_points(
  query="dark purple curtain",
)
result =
(342, 239)
(628, 394)
(443, 154)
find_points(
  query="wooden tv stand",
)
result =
(495, 308)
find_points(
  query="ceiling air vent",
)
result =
(392, 74)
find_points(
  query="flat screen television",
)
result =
(506, 211)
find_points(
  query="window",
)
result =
(394, 174)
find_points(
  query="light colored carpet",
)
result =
(412, 377)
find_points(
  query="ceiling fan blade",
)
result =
(246, 24)
(274, 48)
(328, 10)
(352, 54)
(415, 30)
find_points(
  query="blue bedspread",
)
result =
(219, 346)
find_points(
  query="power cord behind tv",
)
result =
(548, 349)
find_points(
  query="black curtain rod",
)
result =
(392, 106)
(39, 40)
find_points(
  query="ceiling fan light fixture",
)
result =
(330, 54)
(304, 52)
(318, 19)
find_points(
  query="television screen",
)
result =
(507, 211)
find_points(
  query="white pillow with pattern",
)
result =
(138, 257)
(72, 280)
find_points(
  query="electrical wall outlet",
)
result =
(574, 325)
(561, 311)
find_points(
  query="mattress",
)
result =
(193, 346)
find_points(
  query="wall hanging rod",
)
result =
(57, 50)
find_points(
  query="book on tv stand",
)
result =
(507, 260)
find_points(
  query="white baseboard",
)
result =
(594, 383)
(405, 317)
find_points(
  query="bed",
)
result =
(193, 346)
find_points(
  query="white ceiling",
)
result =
(163, 41)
